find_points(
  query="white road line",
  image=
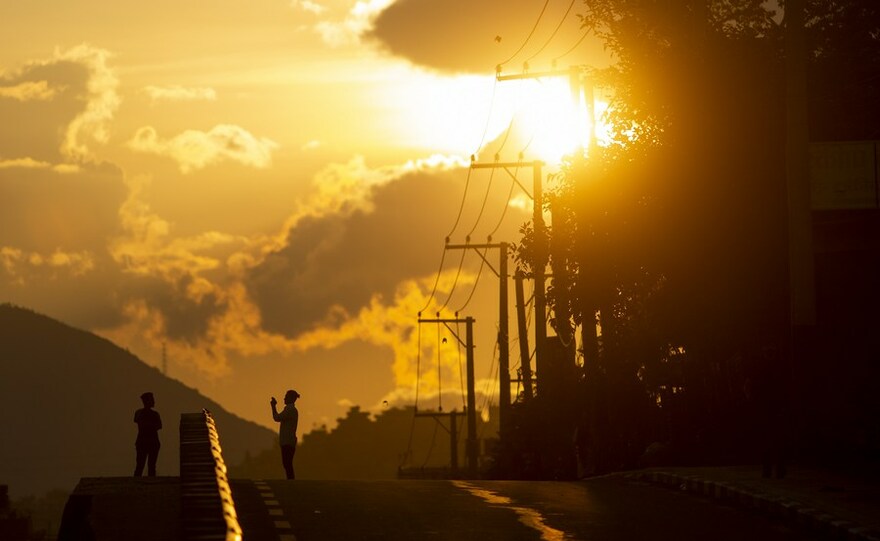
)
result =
(282, 525)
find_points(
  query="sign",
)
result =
(843, 175)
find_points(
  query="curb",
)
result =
(784, 508)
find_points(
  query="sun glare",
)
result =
(471, 114)
(556, 121)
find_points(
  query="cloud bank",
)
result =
(195, 149)
(467, 36)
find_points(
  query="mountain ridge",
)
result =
(67, 400)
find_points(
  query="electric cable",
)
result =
(467, 183)
(477, 281)
(431, 446)
(553, 35)
(483, 205)
(506, 203)
(436, 283)
(490, 387)
(488, 116)
(439, 366)
(573, 47)
(454, 282)
(408, 453)
(529, 37)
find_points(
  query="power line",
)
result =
(573, 47)
(439, 372)
(521, 47)
(488, 116)
(463, 198)
(476, 282)
(506, 204)
(436, 282)
(553, 35)
(454, 283)
(483, 205)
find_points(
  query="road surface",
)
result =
(606, 509)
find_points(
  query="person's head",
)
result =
(148, 400)
(290, 397)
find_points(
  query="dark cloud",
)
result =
(475, 36)
(343, 260)
(35, 128)
(185, 318)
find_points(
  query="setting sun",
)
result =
(549, 119)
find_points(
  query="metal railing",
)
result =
(206, 498)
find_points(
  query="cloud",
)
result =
(30, 163)
(311, 145)
(101, 101)
(61, 107)
(308, 6)
(467, 36)
(19, 265)
(354, 263)
(28, 91)
(195, 149)
(353, 25)
(180, 93)
(378, 229)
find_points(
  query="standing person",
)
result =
(147, 443)
(289, 418)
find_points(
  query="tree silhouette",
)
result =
(674, 237)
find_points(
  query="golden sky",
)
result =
(265, 186)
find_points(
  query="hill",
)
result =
(67, 399)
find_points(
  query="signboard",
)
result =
(843, 175)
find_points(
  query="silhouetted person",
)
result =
(289, 418)
(147, 443)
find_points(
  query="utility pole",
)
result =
(471, 442)
(453, 433)
(576, 85)
(525, 362)
(540, 248)
(503, 328)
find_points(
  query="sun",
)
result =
(529, 119)
(555, 120)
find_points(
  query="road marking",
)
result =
(273, 506)
(528, 516)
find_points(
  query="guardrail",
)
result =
(206, 498)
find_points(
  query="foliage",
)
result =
(362, 446)
(44, 512)
(674, 237)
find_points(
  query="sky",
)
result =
(263, 188)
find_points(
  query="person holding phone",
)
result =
(288, 419)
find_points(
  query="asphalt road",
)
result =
(606, 509)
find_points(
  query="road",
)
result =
(606, 509)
